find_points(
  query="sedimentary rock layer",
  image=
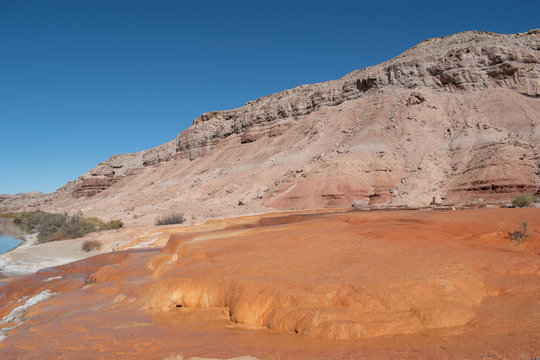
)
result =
(454, 118)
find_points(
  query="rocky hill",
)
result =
(454, 118)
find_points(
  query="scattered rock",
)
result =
(360, 204)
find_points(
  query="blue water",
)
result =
(9, 235)
(7, 243)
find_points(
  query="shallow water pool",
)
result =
(7, 243)
(9, 235)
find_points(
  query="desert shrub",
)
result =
(524, 200)
(170, 219)
(51, 227)
(89, 277)
(92, 222)
(522, 233)
(77, 226)
(48, 226)
(89, 245)
(32, 220)
(113, 224)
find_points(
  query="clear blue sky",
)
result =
(82, 80)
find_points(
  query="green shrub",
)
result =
(170, 219)
(89, 245)
(524, 200)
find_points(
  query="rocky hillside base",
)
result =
(453, 119)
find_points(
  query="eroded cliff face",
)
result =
(455, 118)
(463, 62)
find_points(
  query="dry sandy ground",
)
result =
(337, 285)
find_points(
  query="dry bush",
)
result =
(522, 233)
(113, 224)
(525, 200)
(89, 245)
(170, 219)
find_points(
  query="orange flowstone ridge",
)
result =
(382, 283)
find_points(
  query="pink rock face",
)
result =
(378, 284)
(454, 118)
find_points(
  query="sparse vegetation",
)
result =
(170, 219)
(522, 233)
(113, 224)
(51, 227)
(89, 277)
(89, 245)
(525, 200)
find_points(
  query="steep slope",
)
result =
(454, 118)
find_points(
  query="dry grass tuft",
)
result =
(525, 200)
(177, 218)
(89, 245)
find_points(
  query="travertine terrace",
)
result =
(454, 118)
(382, 284)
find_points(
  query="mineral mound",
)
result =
(454, 118)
